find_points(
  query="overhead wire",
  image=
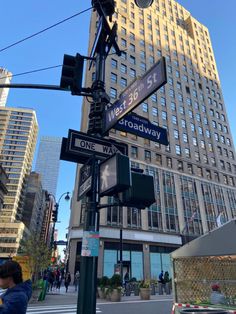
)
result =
(44, 30)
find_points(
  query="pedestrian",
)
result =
(16, 298)
(67, 280)
(51, 279)
(161, 277)
(58, 280)
(216, 296)
(76, 280)
(166, 277)
(126, 279)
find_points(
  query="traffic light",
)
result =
(141, 194)
(54, 215)
(108, 6)
(72, 73)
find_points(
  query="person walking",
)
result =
(58, 279)
(76, 280)
(51, 279)
(126, 279)
(18, 294)
(161, 277)
(67, 280)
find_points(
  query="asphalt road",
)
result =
(161, 306)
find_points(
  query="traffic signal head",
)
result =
(54, 215)
(72, 73)
(141, 194)
(108, 6)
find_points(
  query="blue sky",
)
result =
(59, 111)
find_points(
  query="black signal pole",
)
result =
(88, 270)
(105, 39)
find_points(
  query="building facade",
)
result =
(5, 78)
(195, 175)
(33, 211)
(18, 135)
(48, 162)
(3, 186)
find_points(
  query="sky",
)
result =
(59, 111)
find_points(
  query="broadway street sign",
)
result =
(79, 147)
(132, 123)
(136, 93)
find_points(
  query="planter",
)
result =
(145, 293)
(101, 293)
(115, 295)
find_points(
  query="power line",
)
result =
(44, 30)
(33, 71)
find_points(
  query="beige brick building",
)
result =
(18, 135)
(195, 175)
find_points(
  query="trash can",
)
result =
(203, 311)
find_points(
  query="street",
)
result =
(160, 306)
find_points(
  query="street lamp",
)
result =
(55, 212)
(143, 4)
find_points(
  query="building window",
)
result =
(163, 101)
(174, 119)
(154, 111)
(134, 152)
(176, 134)
(185, 137)
(169, 162)
(113, 93)
(164, 115)
(113, 78)
(123, 68)
(158, 159)
(132, 73)
(147, 155)
(145, 107)
(123, 82)
(177, 150)
(113, 63)
(187, 152)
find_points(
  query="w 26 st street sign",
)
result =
(136, 93)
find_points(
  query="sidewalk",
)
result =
(61, 298)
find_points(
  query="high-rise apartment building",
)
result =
(18, 135)
(48, 162)
(5, 78)
(195, 175)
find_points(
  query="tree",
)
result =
(38, 253)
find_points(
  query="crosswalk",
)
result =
(57, 309)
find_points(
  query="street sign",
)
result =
(79, 147)
(114, 175)
(85, 182)
(85, 146)
(136, 93)
(135, 124)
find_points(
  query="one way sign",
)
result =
(80, 147)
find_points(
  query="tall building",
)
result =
(18, 135)
(5, 78)
(195, 175)
(48, 162)
(33, 211)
